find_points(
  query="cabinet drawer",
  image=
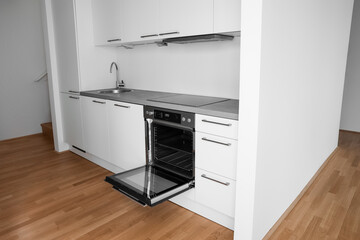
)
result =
(215, 192)
(217, 126)
(216, 154)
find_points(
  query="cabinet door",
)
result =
(140, 19)
(96, 134)
(227, 15)
(72, 124)
(215, 192)
(185, 17)
(106, 21)
(216, 154)
(66, 45)
(127, 135)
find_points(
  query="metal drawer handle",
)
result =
(118, 105)
(98, 102)
(73, 97)
(114, 40)
(222, 124)
(168, 33)
(223, 183)
(71, 91)
(213, 141)
(151, 35)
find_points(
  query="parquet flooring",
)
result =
(330, 208)
(47, 195)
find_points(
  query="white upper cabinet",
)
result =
(107, 21)
(227, 15)
(127, 21)
(126, 135)
(185, 17)
(139, 19)
(66, 45)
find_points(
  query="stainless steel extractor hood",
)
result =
(199, 38)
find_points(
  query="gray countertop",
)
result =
(225, 109)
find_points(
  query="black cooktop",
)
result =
(189, 100)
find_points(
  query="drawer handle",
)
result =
(168, 33)
(71, 91)
(73, 97)
(118, 105)
(213, 141)
(98, 102)
(222, 124)
(150, 35)
(212, 179)
(114, 40)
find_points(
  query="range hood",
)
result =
(199, 38)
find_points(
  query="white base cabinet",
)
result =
(215, 191)
(126, 135)
(96, 134)
(72, 121)
(216, 155)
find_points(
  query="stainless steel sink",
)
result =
(115, 91)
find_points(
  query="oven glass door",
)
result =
(149, 185)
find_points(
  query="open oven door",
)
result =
(149, 185)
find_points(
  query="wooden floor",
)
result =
(330, 208)
(46, 195)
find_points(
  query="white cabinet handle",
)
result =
(118, 105)
(98, 102)
(217, 142)
(150, 35)
(212, 179)
(222, 124)
(169, 33)
(74, 97)
(114, 40)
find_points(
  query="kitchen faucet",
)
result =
(118, 83)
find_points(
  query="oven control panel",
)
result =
(172, 116)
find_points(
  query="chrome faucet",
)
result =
(118, 83)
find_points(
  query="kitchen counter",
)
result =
(225, 109)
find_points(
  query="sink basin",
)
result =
(115, 91)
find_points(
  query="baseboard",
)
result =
(98, 161)
(183, 201)
(298, 198)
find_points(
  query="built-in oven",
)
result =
(170, 158)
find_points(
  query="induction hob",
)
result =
(189, 100)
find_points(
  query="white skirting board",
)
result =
(185, 200)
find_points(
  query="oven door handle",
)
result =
(148, 136)
(174, 125)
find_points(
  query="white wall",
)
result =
(210, 69)
(303, 57)
(350, 116)
(24, 105)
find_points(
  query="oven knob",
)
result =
(183, 119)
(189, 120)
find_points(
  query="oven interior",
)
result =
(173, 149)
